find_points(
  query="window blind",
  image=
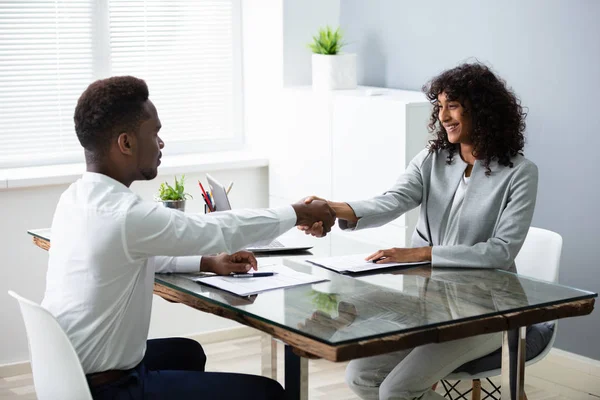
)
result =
(45, 63)
(184, 50)
(188, 51)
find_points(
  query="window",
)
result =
(188, 51)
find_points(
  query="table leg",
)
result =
(513, 364)
(296, 376)
(268, 364)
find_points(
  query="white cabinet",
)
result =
(347, 145)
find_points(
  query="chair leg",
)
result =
(450, 388)
(476, 394)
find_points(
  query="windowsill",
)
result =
(188, 163)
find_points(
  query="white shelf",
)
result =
(372, 92)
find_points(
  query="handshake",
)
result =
(314, 216)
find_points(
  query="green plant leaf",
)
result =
(327, 41)
(167, 192)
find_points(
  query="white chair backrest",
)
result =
(540, 255)
(57, 372)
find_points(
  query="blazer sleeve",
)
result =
(405, 195)
(500, 250)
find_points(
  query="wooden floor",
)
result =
(326, 379)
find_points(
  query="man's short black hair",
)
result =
(107, 108)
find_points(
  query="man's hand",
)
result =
(404, 255)
(342, 211)
(315, 229)
(316, 212)
(225, 264)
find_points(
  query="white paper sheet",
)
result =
(355, 263)
(284, 277)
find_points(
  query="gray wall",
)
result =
(549, 52)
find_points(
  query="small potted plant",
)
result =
(331, 69)
(173, 196)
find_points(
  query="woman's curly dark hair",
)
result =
(498, 118)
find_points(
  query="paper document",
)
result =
(284, 277)
(356, 263)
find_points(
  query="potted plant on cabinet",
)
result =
(331, 69)
(173, 196)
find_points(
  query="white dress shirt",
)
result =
(107, 243)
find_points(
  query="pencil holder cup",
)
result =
(175, 204)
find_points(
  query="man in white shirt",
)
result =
(107, 243)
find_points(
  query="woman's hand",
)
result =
(225, 264)
(316, 229)
(310, 199)
(403, 255)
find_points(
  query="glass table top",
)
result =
(345, 309)
(390, 301)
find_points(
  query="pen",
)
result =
(229, 187)
(205, 195)
(254, 275)
(208, 203)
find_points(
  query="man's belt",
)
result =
(106, 377)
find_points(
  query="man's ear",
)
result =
(126, 143)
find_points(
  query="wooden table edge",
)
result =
(312, 348)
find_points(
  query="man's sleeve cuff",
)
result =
(187, 264)
(287, 217)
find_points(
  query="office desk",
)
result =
(390, 311)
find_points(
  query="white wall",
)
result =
(263, 69)
(23, 267)
(275, 34)
(301, 21)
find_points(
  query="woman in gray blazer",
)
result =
(477, 195)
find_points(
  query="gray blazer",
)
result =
(495, 216)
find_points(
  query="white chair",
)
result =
(539, 258)
(57, 372)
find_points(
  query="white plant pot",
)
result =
(332, 72)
